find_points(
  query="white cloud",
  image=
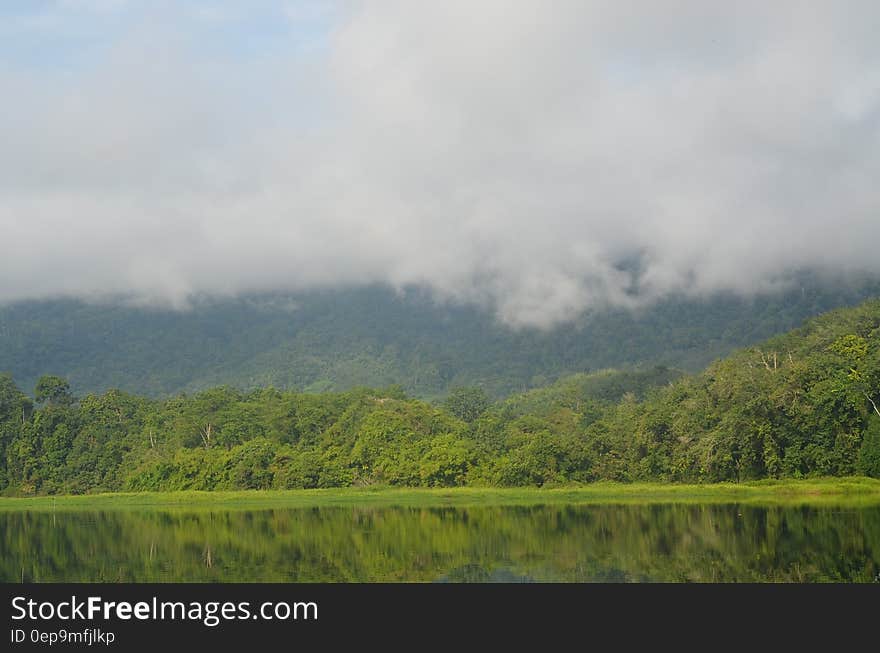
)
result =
(515, 154)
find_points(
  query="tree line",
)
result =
(802, 404)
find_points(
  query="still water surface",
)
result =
(668, 543)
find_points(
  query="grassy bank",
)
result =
(854, 490)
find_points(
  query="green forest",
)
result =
(340, 339)
(798, 405)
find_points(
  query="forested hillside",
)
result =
(341, 339)
(801, 404)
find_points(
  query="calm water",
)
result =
(509, 544)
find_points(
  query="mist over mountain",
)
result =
(324, 194)
(338, 339)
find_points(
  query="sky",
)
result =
(539, 159)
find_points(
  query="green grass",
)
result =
(849, 491)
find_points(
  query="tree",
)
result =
(53, 390)
(467, 403)
(14, 407)
(869, 453)
(854, 350)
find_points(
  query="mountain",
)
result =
(340, 339)
(802, 404)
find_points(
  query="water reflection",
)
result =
(609, 543)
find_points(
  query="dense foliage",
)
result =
(341, 339)
(802, 404)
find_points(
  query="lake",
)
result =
(569, 543)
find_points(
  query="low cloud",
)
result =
(538, 159)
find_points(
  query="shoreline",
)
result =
(820, 491)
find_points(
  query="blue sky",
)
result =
(42, 36)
